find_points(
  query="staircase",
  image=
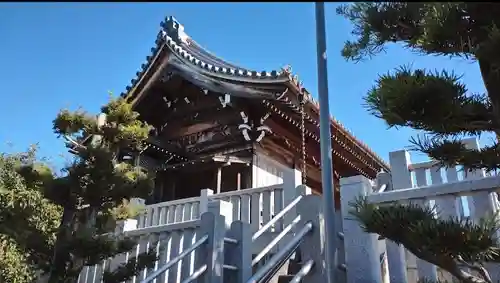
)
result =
(215, 249)
(292, 268)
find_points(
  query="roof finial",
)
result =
(287, 69)
(175, 30)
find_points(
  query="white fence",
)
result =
(169, 241)
(174, 243)
(255, 206)
(454, 191)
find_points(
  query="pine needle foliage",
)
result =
(437, 103)
(97, 189)
(54, 225)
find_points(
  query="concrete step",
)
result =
(294, 264)
(285, 278)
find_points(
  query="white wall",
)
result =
(267, 172)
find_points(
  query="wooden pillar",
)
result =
(247, 177)
(169, 189)
(219, 179)
(238, 181)
(336, 194)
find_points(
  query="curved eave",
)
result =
(208, 82)
(203, 54)
(208, 66)
(213, 68)
(207, 77)
(214, 73)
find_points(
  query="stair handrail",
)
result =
(178, 258)
(275, 241)
(277, 217)
(306, 268)
(197, 273)
(281, 253)
(276, 268)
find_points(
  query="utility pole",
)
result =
(326, 145)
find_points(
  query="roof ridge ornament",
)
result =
(287, 69)
(175, 30)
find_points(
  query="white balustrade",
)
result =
(256, 206)
(452, 191)
(167, 240)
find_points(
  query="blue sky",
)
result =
(62, 55)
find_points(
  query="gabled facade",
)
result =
(225, 127)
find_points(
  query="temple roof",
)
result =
(208, 71)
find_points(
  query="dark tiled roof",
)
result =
(205, 67)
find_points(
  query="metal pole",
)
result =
(326, 145)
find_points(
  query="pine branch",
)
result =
(453, 152)
(453, 244)
(479, 268)
(444, 28)
(95, 184)
(131, 268)
(439, 105)
(410, 98)
(450, 237)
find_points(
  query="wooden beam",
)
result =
(341, 167)
(312, 148)
(211, 113)
(151, 75)
(231, 159)
(349, 143)
(292, 137)
(185, 132)
(183, 104)
(270, 148)
(277, 152)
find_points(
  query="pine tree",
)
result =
(93, 188)
(439, 104)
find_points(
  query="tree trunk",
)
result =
(466, 277)
(58, 268)
(491, 80)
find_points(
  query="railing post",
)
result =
(384, 178)
(240, 254)
(300, 190)
(125, 225)
(142, 217)
(313, 245)
(224, 208)
(401, 179)
(481, 204)
(205, 199)
(291, 180)
(214, 223)
(361, 249)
